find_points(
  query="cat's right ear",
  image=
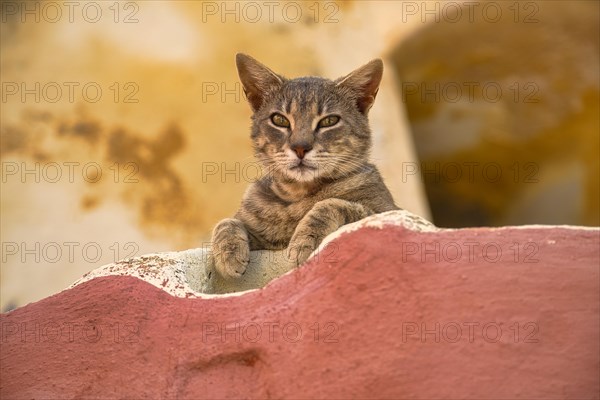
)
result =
(257, 80)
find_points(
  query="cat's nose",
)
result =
(301, 149)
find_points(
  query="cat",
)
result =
(312, 136)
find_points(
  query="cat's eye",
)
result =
(330, 120)
(280, 120)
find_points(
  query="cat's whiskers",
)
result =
(343, 163)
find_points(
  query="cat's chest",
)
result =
(293, 208)
(289, 213)
(272, 214)
(275, 218)
(273, 223)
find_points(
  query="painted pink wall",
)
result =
(370, 307)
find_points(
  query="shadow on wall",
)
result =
(505, 113)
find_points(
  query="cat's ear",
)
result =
(364, 81)
(257, 80)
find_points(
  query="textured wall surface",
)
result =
(164, 153)
(506, 124)
(400, 310)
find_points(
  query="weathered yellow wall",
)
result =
(159, 144)
(540, 130)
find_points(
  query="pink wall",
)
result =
(514, 317)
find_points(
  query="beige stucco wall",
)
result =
(133, 167)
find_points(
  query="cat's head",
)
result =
(310, 128)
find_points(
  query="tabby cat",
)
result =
(312, 137)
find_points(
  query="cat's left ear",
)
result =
(365, 82)
(257, 80)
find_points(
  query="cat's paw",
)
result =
(231, 259)
(300, 249)
(230, 249)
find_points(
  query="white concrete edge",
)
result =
(168, 271)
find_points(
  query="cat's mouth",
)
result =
(302, 171)
(302, 166)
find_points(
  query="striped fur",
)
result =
(315, 178)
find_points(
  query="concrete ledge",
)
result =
(191, 274)
(398, 309)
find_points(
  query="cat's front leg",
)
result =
(230, 248)
(325, 217)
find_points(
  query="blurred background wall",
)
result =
(504, 112)
(124, 129)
